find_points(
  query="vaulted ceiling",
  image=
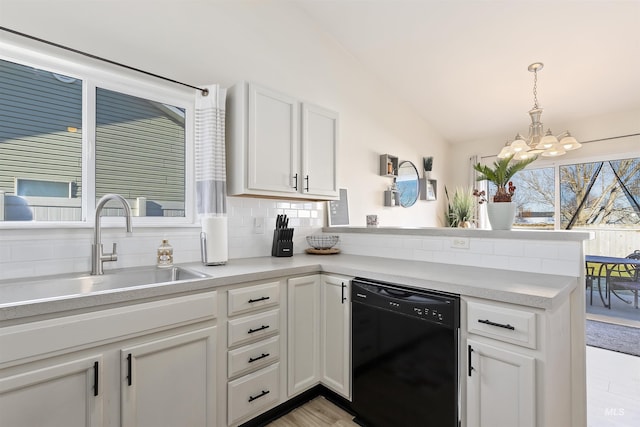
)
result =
(462, 64)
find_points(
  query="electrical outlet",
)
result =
(258, 225)
(460, 243)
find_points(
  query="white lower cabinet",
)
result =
(303, 332)
(66, 395)
(169, 381)
(335, 334)
(319, 324)
(148, 364)
(500, 387)
(517, 365)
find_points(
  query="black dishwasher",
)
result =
(405, 345)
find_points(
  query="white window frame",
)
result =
(96, 74)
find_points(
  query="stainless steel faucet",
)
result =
(98, 257)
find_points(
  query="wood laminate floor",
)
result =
(318, 412)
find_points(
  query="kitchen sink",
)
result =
(54, 287)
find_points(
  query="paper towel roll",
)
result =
(214, 231)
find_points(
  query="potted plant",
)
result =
(461, 209)
(502, 211)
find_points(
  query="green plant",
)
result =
(427, 163)
(461, 208)
(501, 173)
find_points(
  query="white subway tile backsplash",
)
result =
(436, 244)
(46, 251)
(533, 265)
(541, 250)
(241, 211)
(473, 259)
(5, 252)
(412, 243)
(258, 212)
(481, 246)
(529, 256)
(508, 248)
(443, 257)
(29, 252)
(556, 266)
(494, 261)
(422, 255)
(569, 251)
(33, 252)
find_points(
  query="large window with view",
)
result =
(602, 196)
(50, 131)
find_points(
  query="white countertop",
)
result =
(529, 289)
(513, 234)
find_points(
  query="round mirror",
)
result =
(408, 184)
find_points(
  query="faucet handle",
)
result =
(114, 254)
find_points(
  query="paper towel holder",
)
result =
(203, 251)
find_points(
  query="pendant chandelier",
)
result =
(538, 141)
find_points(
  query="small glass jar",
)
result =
(165, 254)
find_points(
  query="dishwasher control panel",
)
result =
(432, 306)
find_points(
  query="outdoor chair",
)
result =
(625, 277)
(595, 276)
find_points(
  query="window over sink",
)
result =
(71, 133)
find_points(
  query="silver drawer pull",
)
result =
(499, 325)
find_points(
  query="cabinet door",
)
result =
(273, 141)
(500, 387)
(64, 395)
(303, 333)
(335, 337)
(170, 382)
(319, 151)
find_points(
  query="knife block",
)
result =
(282, 242)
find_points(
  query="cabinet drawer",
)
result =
(253, 297)
(250, 393)
(511, 325)
(253, 356)
(249, 328)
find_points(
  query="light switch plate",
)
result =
(258, 225)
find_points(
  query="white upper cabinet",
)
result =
(279, 146)
(319, 151)
(273, 141)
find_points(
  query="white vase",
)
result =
(501, 215)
